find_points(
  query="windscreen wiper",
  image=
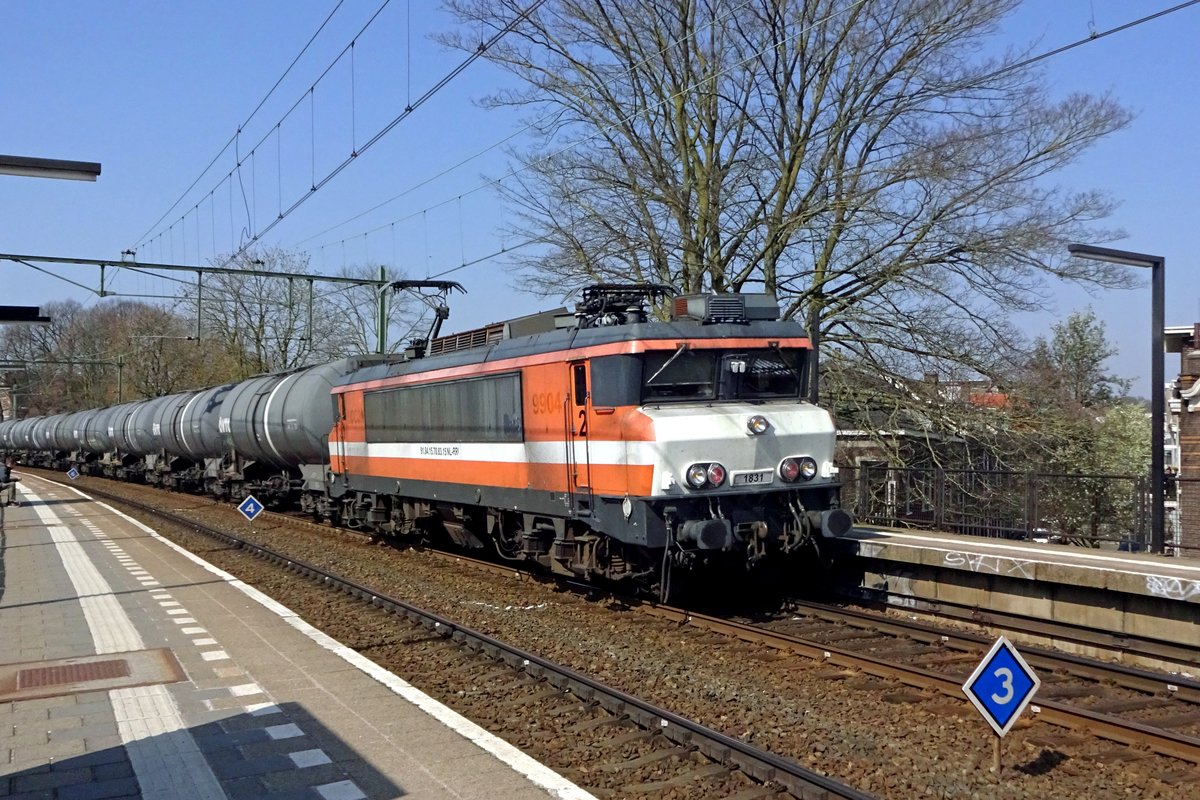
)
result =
(678, 352)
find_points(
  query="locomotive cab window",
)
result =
(760, 374)
(680, 374)
(580, 373)
(688, 374)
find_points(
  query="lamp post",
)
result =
(1157, 266)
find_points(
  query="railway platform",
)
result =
(131, 668)
(1150, 602)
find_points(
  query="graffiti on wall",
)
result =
(1172, 588)
(995, 565)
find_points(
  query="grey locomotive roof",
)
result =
(578, 338)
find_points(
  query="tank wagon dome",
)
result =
(285, 418)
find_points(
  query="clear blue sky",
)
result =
(153, 91)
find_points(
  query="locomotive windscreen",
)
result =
(689, 374)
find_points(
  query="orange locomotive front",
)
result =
(598, 443)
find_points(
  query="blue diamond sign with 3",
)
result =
(1001, 686)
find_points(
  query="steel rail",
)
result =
(758, 764)
(1179, 654)
(1141, 680)
(1128, 732)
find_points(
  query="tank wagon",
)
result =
(598, 443)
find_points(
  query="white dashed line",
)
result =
(342, 790)
(289, 731)
(309, 758)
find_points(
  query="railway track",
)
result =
(1126, 705)
(1184, 655)
(932, 659)
(1132, 707)
(646, 750)
(847, 637)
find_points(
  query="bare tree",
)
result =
(268, 323)
(863, 159)
(97, 356)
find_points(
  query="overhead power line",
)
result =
(1093, 36)
(241, 127)
(382, 132)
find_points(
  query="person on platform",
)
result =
(8, 483)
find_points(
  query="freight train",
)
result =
(601, 443)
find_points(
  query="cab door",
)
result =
(578, 422)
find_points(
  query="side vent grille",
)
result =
(726, 308)
(480, 337)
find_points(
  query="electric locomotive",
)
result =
(599, 443)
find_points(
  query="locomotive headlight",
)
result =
(808, 468)
(716, 474)
(789, 469)
(757, 425)
(697, 475)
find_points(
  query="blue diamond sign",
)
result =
(72, 473)
(250, 508)
(1001, 686)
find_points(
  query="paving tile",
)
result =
(294, 779)
(101, 790)
(114, 771)
(99, 743)
(86, 732)
(45, 794)
(244, 789)
(98, 758)
(252, 766)
(50, 780)
(66, 749)
(23, 740)
(82, 709)
(55, 725)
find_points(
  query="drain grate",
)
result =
(100, 672)
(72, 673)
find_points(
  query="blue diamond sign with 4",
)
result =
(250, 508)
(72, 473)
(1001, 686)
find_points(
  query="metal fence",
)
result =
(1091, 510)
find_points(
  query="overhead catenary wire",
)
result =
(1093, 36)
(579, 142)
(236, 139)
(224, 148)
(382, 132)
(535, 123)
